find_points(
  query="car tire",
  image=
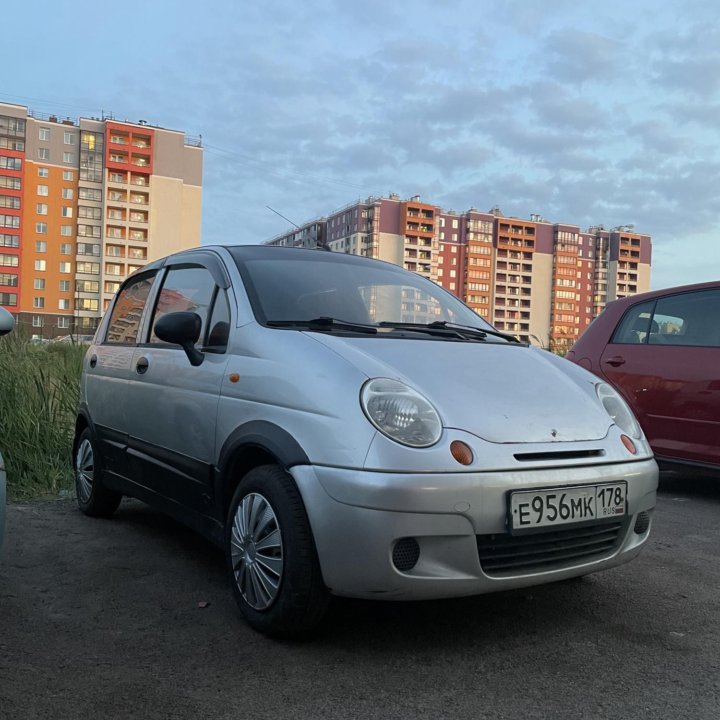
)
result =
(93, 497)
(271, 557)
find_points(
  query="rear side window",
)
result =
(690, 319)
(636, 325)
(127, 312)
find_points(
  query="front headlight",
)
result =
(618, 410)
(400, 412)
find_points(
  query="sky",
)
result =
(583, 112)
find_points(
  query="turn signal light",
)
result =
(629, 444)
(461, 452)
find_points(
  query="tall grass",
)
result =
(39, 392)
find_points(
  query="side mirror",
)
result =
(182, 328)
(7, 321)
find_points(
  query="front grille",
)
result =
(505, 554)
(559, 455)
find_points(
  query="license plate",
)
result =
(530, 509)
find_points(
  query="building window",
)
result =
(44, 134)
(66, 230)
(68, 175)
(67, 193)
(68, 157)
(39, 283)
(69, 138)
(63, 304)
(41, 228)
(66, 249)
(87, 286)
(10, 221)
(117, 177)
(42, 190)
(9, 261)
(40, 265)
(11, 183)
(87, 304)
(40, 246)
(10, 163)
(43, 172)
(43, 153)
(88, 268)
(8, 299)
(67, 212)
(65, 267)
(63, 322)
(42, 209)
(9, 240)
(112, 269)
(64, 286)
(90, 194)
(9, 201)
(38, 320)
(39, 302)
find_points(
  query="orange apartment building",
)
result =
(84, 203)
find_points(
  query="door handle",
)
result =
(93, 361)
(616, 361)
(142, 365)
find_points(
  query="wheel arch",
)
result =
(82, 421)
(249, 446)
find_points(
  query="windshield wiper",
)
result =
(474, 331)
(324, 324)
(444, 328)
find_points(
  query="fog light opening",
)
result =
(642, 522)
(405, 554)
(461, 452)
(629, 444)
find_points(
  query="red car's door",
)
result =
(669, 372)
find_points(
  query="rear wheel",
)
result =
(92, 496)
(271, 556)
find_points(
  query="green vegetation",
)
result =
(39, 392)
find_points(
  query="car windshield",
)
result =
(311, 284)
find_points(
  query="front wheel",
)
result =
(271, 556)
(92, 496)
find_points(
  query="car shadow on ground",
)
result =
(510, 617)
(692, 484)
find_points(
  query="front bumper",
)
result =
(357, 517)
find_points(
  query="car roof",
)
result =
(652, 294)
(258, 252)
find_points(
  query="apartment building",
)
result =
(541, 281)
(84, 203)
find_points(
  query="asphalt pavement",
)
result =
(131, 618)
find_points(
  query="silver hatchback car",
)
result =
(341, 426)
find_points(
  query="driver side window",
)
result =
(185, 289)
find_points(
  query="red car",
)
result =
(661, 350)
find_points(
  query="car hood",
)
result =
(500, 392)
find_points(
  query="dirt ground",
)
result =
(103, 619)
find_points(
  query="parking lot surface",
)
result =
(131, 617)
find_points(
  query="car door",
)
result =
(670, 373)
(107, 372)
(172, 405)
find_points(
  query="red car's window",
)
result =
(636, 325)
